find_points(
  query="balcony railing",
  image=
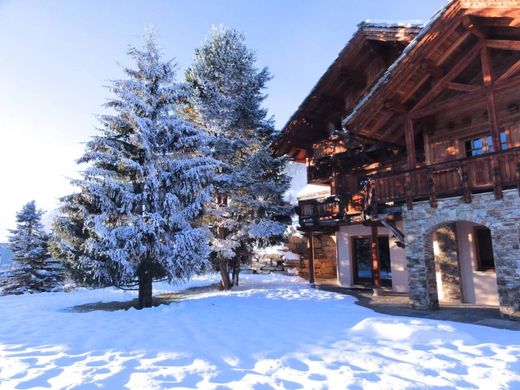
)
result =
(321, 212)
(456, 177)
(328, 147)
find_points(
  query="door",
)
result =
(362, 261)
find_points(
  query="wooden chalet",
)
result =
(415, 132)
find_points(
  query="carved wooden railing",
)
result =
(321, 212)
(457, 177)
(492, 171)
(328, 148)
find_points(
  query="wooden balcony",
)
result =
(328, 147)
(321, 212)
(488, 172)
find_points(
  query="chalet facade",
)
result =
(412, 143)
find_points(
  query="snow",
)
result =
(313, 191)
(291, 256)
(272, 332)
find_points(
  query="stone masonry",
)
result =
(447, 262)
(502, 217)
(325, 258)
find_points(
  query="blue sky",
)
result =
(57, 56)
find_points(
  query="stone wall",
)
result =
(447, 262)
(325, 258)
(502, 217)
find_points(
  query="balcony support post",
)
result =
(465, 183)
(411, 160)
(374, 251)
(493, 119)
(432, 190)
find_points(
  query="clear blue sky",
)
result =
(57, 55)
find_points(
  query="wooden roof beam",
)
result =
(433, 69)
(492, 21)
(469, 23)
(394, 105)
(514, 69)
(449, 77)
(461, 87)
(503, 44)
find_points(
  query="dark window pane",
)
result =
(484, 249)
(385, 269)
(363, 266)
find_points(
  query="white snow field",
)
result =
(273, 332)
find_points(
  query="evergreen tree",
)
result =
(33, 269)
(136, 217)
(248, 210)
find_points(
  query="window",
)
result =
(484, 144)
(484, 248)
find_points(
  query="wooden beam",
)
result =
(431, 68)
(396, 106)
(410, 143)
(502, 44)
(468, 99)
(514, 69)
(452, 74)
(491, 21)
(487, 73)
(462, 87)
(472, 27)
(374, 252)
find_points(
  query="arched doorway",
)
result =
(501, 217)
(464, 263)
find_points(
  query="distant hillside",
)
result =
(5, 256)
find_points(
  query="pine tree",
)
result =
(227, 94)
(136, 218)
(33, 269)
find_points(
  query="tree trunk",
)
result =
(225, 283)
(236, 272)
(145, 290)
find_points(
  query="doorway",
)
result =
(362, 261)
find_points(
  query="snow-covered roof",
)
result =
(314, 191)
(384, 79)
(392, 23)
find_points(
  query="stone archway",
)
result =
(502, 217)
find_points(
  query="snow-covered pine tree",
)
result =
(33, 269)
(136, 217)
(227, 94)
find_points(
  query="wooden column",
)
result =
(411, 160)
(410, 143)
(311, 258)
(487, 73)
(374, 251)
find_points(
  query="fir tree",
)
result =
(135, 219)
(33, 269)
(227, 94)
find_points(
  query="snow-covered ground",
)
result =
(274, 332)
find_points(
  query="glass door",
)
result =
(362, 261)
